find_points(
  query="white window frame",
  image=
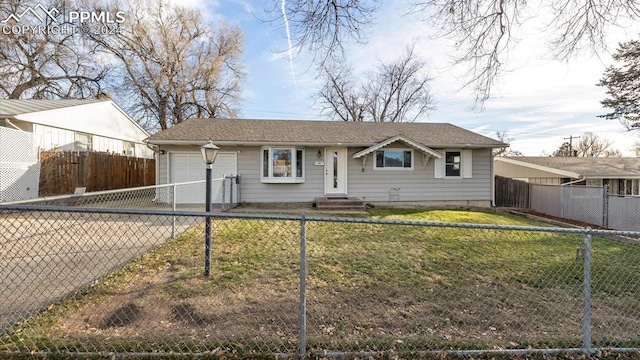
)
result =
(294, 165)
(81, 145)
(129, 148)
(375, 162)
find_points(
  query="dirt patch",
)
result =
(572, 222)
(188, 315)
(123, 316)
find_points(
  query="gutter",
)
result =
(302, 143)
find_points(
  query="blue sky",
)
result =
(537, 101)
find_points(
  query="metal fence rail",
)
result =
(91, 281)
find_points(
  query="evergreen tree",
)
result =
(623, 86)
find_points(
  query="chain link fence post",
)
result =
(173, 207)
(303, 287)
(605, 208)
(586, 325)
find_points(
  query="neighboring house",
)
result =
(621, 175)
(292, 161)
(30, 126)
(80, 125)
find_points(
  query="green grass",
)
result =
(370, 287)
(454, 216)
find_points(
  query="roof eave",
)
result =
(559, 172)
(251, 143)
(416, 146)
(302, 143)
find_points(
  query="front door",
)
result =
(335, 177)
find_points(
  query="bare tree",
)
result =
(325, 26)
(482, 29)
(341, 95)
(174, 65)
(505, 151)
(45, 64)
(393, 92)
(636, 148)
(590, 145)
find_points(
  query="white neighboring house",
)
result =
(80, 125)
(30, 126)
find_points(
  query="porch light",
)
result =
(209, 152)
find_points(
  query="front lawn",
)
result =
(370, 287)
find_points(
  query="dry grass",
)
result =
(370, 287)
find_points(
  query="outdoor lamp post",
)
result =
(209, 153)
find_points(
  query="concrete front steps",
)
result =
(339, 203)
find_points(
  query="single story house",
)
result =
(295, 161)
(620, 174)
(80, 125)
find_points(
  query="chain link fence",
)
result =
(95, 281)
(19, 167)
(580, 203)
(167, 196)
(587, 204)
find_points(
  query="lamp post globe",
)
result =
(209, 152)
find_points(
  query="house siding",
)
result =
(255, 191)
(371, 185)
(252, 190)
(419, 184)
(110, 128)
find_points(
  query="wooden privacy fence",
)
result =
(512, 193)
(61, 172)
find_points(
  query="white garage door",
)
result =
(185, 167)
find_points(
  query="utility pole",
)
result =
(570, 138)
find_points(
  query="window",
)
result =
(84, 142)
(282, 165)
(452, 163)
(129, 148)
(395, 159)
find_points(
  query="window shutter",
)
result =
(467, 163)
(438, 167)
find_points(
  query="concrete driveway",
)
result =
(48, 255)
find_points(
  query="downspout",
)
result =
(13, 125)
(584, 178)
(493, 181)
(154, 148)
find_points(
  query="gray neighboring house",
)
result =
(294, 161)
(620, 174)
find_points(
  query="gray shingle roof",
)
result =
(242, 131)
(12, 108)
(587, 166)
